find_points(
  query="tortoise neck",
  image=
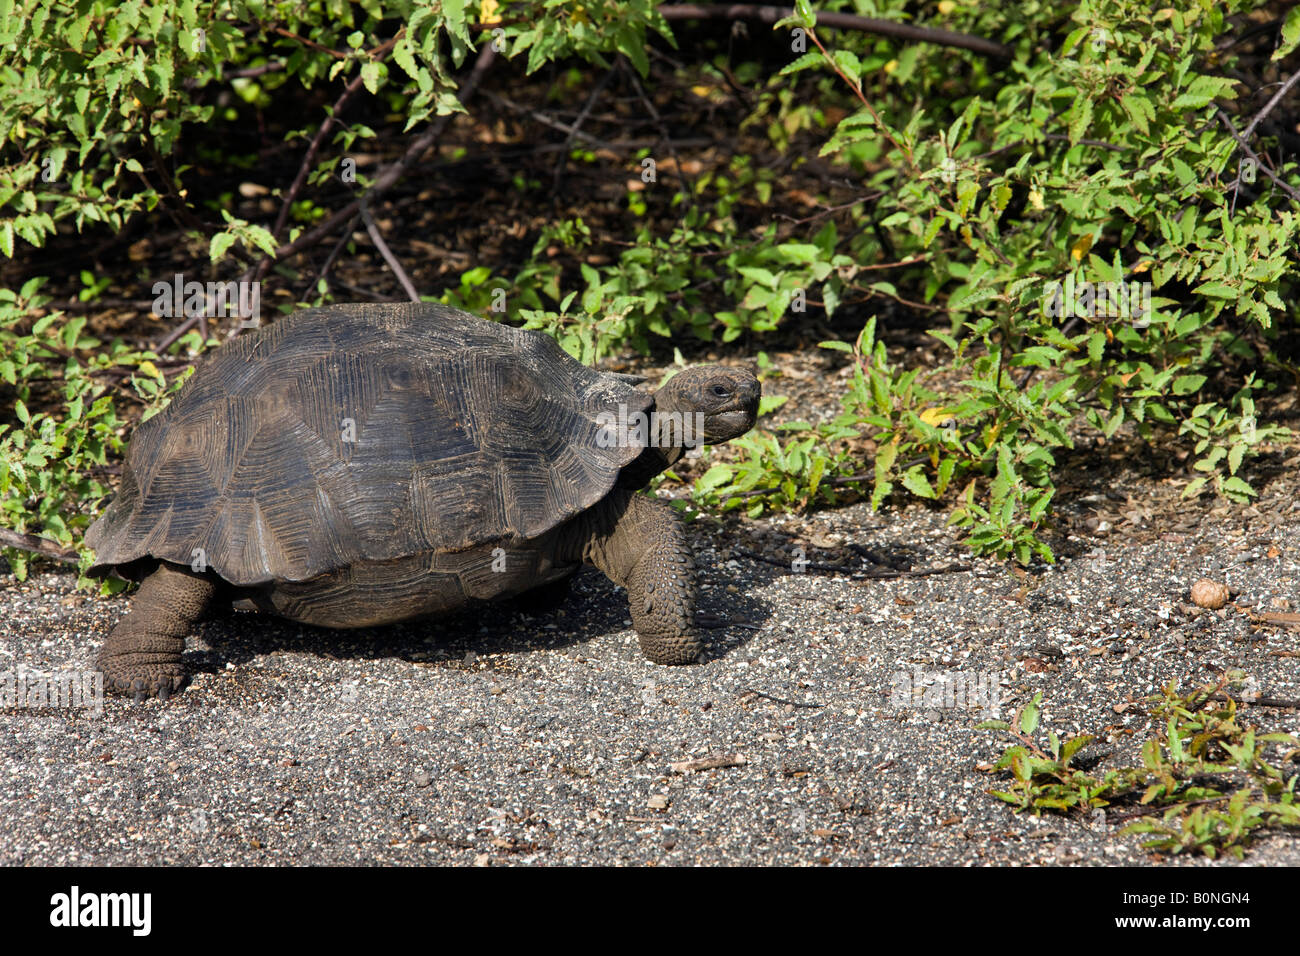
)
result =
(645, 466)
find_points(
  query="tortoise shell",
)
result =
(348, 435)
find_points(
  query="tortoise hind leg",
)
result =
(639, 543)
(142, 655)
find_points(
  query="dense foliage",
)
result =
(1093, 246)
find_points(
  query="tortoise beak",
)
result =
(740, 418)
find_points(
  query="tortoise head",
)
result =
(726, 399)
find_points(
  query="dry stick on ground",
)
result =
(1147, 811)
(364, 293)
(1279, 702)
(387, 253)
(545, 120)
(839, 21)
(36, 545)
(96, 305)
(177, 332)
(707, 763)
(779, 700)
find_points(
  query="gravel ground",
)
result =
(519, 735)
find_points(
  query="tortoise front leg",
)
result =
(142, 656)
(639, 543)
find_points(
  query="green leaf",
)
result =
(1290, 35)
(916, 482)
(1080, 118)
(1203, 90)
(373, 75)
(805, 62)
(1029, 715)
(219, 244)
(1218, 290)
(715, 477)
(1238, 487)
(1096, 346)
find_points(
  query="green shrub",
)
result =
(1098, 154)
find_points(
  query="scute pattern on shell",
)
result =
(467, 432)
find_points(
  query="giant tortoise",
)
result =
(358, 465)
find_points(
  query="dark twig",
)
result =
(782, 563)
(304, 170)
(687, 180)
(1259, 163)
(1268, 107)
(577, 126)
(707, 763)
(180, 330)
(394, 171)
(387, 253)
(1148, 811)
(364, 293)
(1279, 702)
(839, 21)
(780, 700)
(310, 156)
(913, 572)
(334, 253)
(572, 131)
(93, 305)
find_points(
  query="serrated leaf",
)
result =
(1080, 118)
(715, 477)
(916, 482)
(373, 75)
(1188, 384)
(805, 62)
(219, 244)
(1290, 34)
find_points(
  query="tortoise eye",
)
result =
(720, 391)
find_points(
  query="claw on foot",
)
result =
(141, 688)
